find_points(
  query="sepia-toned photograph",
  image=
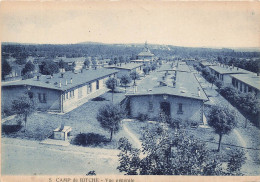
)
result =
(108, 91)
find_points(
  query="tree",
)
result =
(94, 62)
(62, 64)
(165, 153)
(109, 117)
(116, 60)
(124, 80)
(222, 120)
(20, 60)
(111, 84)
(219, 84)
(134, 76)
(121, 59)
(153, 67)
(235, 162)
(28, 68)
(87, 63)
(146, 70)
(24, 106)
(73, 66)
(212, 79)
(6, 68)
(49, 67)
(249, 104)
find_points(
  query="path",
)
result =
(247, 137)
(26, 157)
(135, 141)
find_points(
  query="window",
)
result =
(90, 88)
(39, 97)
(30, 94)
(67, 95)
(249, 89)
(42, 98)
(150, 106)
(240, 87)
(97, 84)
(180, 111)
(233, 82)
(245, 88)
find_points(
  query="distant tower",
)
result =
(146, 53)
(146, 46)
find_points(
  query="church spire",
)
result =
(145, 45)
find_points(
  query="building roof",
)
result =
(146, 53)
(205, 63)
(250, 79)
(141, 60)
(229, 70)
(128, 66)
(186, 85)
(46, 81)
(70, 60)
(182, 67)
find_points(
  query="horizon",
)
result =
(199, 25)
(131, 43)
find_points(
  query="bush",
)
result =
(142, 117)
(87, 139)
(7, 111)
(176, 123)
(245, 102)
(194, 124)
(98, 99)
(7, 129)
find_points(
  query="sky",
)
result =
(193, 24)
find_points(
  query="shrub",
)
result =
(7, 111)
(142, 117)
(176, 123)
(87, 139)
(7, 129)
(98, 99)
(219, 84)
(194, 124)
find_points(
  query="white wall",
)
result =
(192, 108)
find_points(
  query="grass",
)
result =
(203, 134)
(40, 125)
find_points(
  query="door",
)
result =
(165, 108)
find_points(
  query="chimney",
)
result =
(237, 68)
(258, 74)
(71, 80)
(66, 82)
(38, 78)
(60, 84)
(61, 75)
(233, 66)
(81, 70)
(95, 67)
